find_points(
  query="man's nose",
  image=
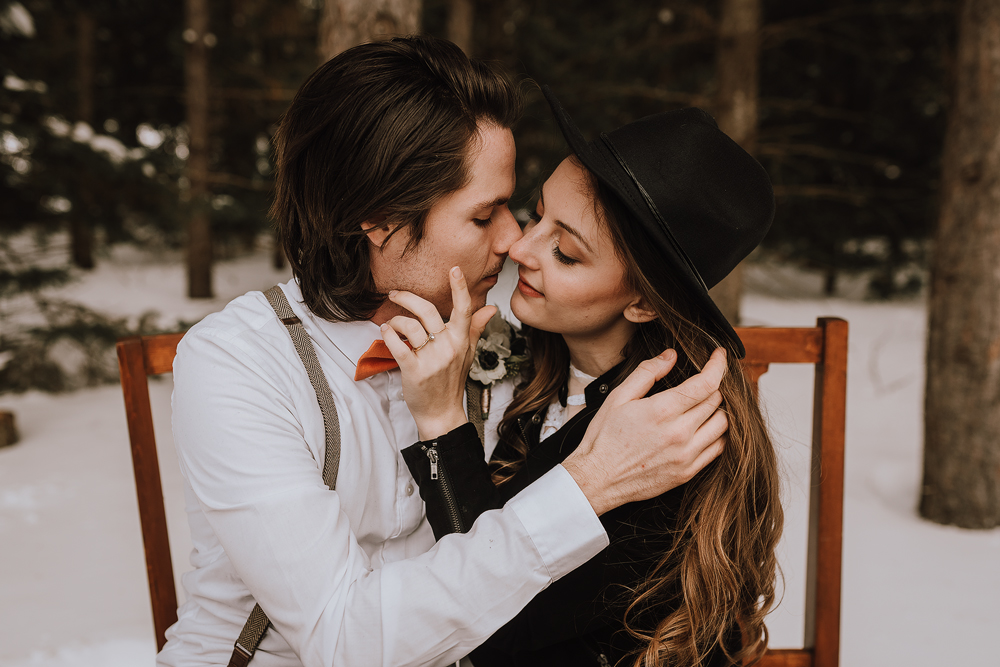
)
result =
(507, 232)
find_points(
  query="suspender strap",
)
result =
(250, 638)
(307, 353)
(257, 624)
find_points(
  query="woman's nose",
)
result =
(521, 251)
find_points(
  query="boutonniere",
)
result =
(500, 352)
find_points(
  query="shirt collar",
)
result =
(352, 338)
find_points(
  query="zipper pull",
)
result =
(432, 454)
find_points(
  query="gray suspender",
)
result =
(257, 624)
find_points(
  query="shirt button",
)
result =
(537, 418)
(603, 389)
(409, 489)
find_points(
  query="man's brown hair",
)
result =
(377, 134)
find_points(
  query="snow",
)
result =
(72, 577)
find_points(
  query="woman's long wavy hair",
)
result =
(717, 580)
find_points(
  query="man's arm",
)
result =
(288, 538)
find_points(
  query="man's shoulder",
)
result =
(247, 330)
(245, 317)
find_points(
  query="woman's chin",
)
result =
(522, 312)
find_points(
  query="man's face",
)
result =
(471, 228)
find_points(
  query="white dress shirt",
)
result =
(351, 577)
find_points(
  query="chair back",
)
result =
(138, 358)
(824, 346)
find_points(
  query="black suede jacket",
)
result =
(578, 620)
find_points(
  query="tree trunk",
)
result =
(738, 66)
(81, 233)
(199, 241)
(347, 23)
(8, 431)
(962, 401)
(460, 22)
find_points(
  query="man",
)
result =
(395, 163)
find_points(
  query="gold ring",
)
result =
(430, 337)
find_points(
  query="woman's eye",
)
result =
(482, 222)
(564, 259)
(533, 216)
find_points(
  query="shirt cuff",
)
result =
(559, 520)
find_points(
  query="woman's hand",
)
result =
(435, 359)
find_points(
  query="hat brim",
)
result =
(598, 157)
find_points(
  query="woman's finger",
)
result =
(423, 309)
(400, 351)
(479, 321)
(411, 329)
(461, 302)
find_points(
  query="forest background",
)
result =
(146, 126)
(150, 124)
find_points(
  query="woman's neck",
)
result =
(596, 355)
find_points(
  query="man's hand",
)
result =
(638, 448)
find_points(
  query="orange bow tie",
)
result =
(374, 361)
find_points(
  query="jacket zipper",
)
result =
(439, 473)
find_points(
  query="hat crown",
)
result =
(713, 197)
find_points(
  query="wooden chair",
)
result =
(138, 358)
(824, 345)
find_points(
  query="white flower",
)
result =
(479, 374)
(499, 326)
(493, 360)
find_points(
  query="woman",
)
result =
(629, 233)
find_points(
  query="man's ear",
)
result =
(377, 230)
(639, 311)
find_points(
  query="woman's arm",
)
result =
(454, 480)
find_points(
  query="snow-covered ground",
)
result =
(72, 579)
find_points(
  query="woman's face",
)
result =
(570, 278)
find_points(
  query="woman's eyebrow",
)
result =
(563, 225)
(578, 235)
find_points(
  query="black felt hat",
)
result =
(702, 201)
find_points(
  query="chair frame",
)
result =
(138, 358)
(824, 345)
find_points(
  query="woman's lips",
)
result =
(526, 289)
